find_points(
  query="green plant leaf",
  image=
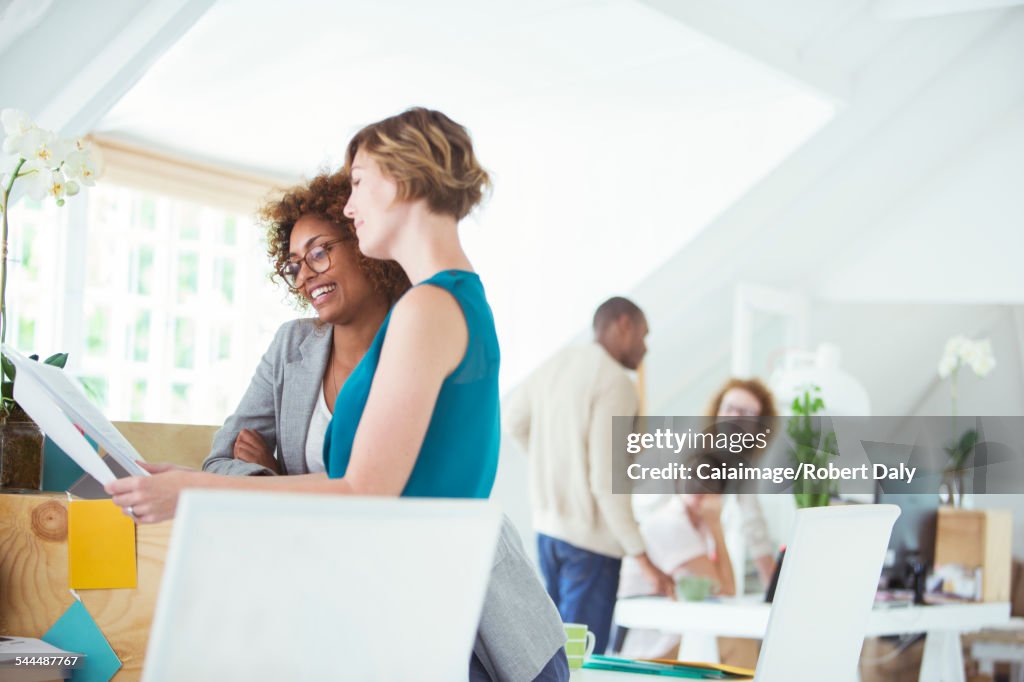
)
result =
(8, 367)
(89, 390)
(968, 441)
(7, 390)
(57, 360)
(34, 356)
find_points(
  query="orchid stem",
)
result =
(3, 251)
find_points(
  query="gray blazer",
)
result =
(520, 629)
(279, 401)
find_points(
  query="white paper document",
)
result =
(10, 647)
(58, 405)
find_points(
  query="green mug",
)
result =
(579, 644)
(694, 587)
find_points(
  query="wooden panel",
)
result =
(183, 444)
(34, 578)
(960, 537)
(33, 563)
(978, 538)
(998, 561)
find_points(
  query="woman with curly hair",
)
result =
(385, 393)
(291, 397)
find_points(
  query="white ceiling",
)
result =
(281, 86)
(614, 133)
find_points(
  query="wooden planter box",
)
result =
(978, 538)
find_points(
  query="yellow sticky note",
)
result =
(101, 546)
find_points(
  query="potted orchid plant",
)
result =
(962, 352)
(44, 166)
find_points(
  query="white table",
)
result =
(701, 622)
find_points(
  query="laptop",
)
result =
(272, 586)
(825, 592)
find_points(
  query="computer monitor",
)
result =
(277, 586)
(829, 576)
(913, 534)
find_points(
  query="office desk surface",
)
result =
(702, 622)
(748, 617)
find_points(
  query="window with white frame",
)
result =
(163, 303)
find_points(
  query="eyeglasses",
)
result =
(317, 258)
(733, 410)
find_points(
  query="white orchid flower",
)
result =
(80, 166)
(43, 147)
(961, 351)
(16, 124)
(981, 359)
(34, 179)
(950, 361)
(957, 345)
(43, 182)
(947, 365)
(57, 186)
(71, 188)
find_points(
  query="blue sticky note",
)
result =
(76, 631)
(59, 470)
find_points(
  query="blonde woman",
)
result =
(418, 415)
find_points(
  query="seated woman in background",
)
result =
(402, 384)
(684, 537)
(684, 533)
(750, 398)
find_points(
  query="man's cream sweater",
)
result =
(562, 417)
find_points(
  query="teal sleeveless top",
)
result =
(459, 456)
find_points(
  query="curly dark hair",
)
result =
(325, 197)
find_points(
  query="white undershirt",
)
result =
(317, 432)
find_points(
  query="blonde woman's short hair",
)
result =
(429, 156)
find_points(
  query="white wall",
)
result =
(893, 349)
(957, 237)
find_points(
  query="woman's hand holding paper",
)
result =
(151, 499)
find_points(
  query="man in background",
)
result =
(562, 417)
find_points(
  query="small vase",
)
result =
(21, 453)
(951, 492)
